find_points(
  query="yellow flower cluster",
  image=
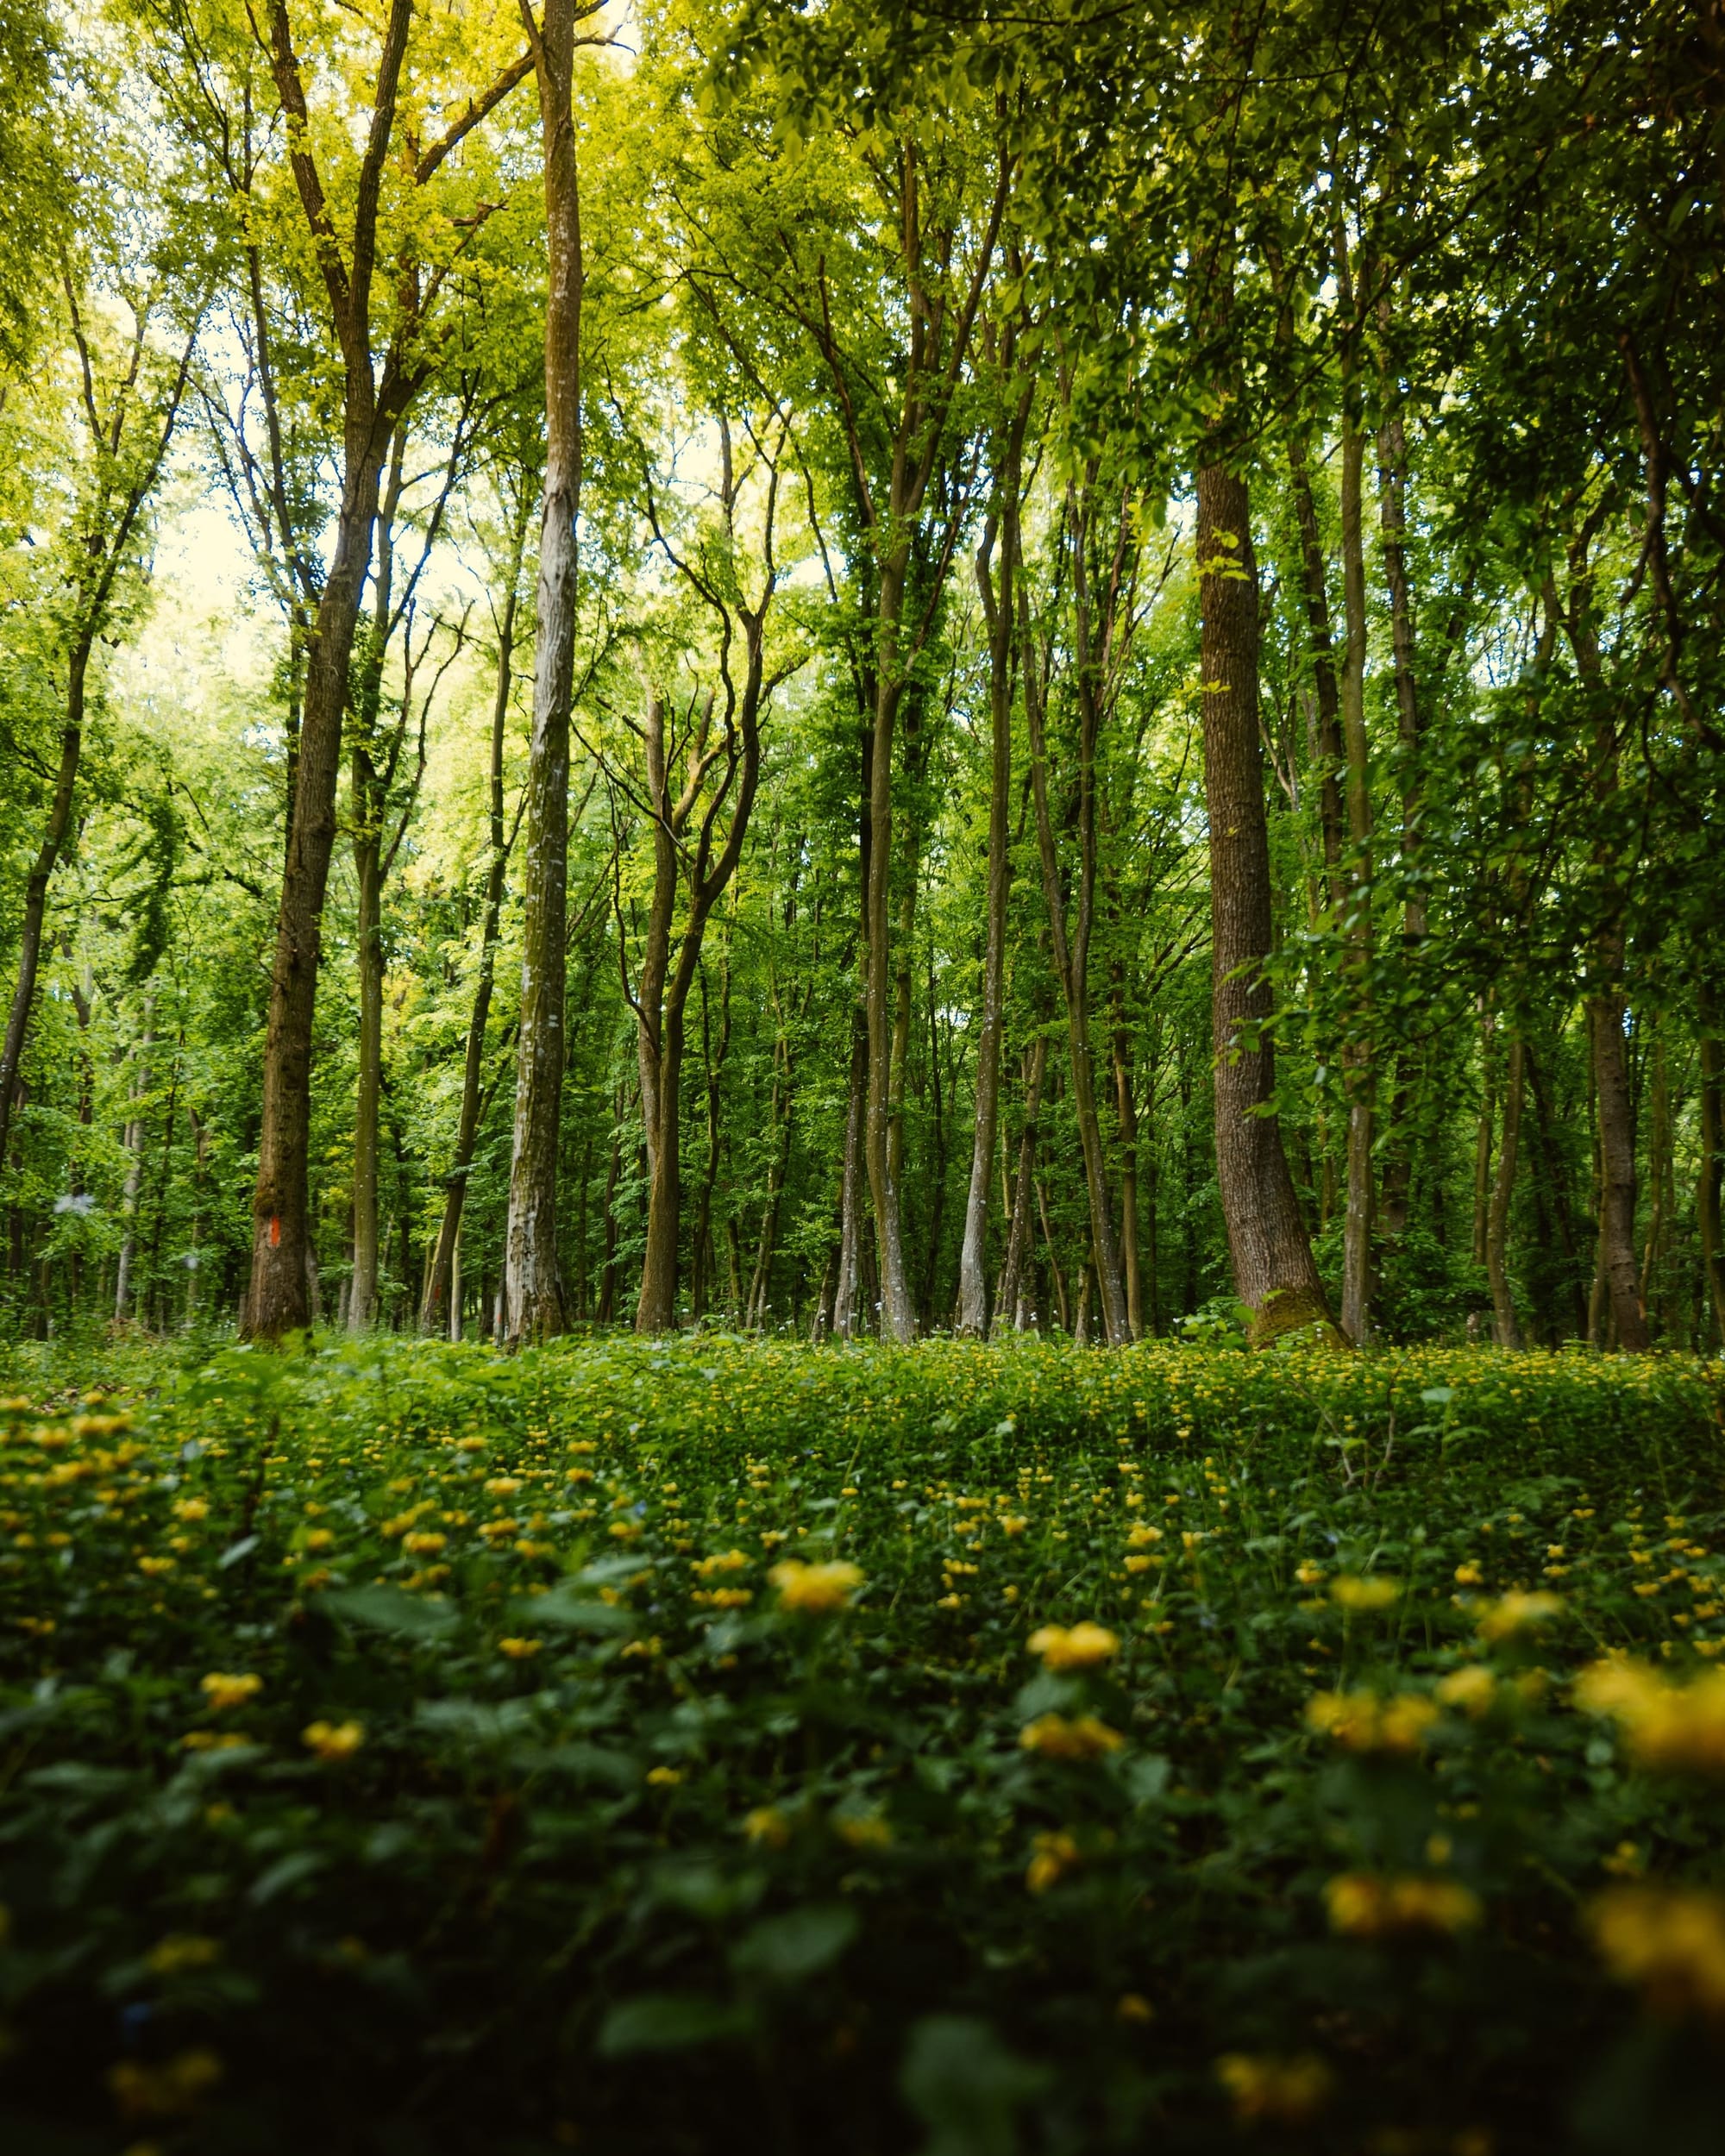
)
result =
(1085, 1647)
(1672, 1728)
(1082, 1738)
(223, 1691)
(1365, 1906)
(1364, 1722)
(815, 1590)
(1053, 1855)
(1270, 2088)
(333, 1741)
(1348, 1591)
(1670, 1940)
(1472, 1688)
(1516, 1612)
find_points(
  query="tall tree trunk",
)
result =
(1392, 457)
(1071, 957)
(1125, 1111)
(1658, 1172)
(1711, 1166)
(1358, 1076)
(1013, 1304)
(847, 1292)
(281, 1296)
(368, 876)
(659, 1053)
(437, 1281)
(1606, 1008)
(135, 1169)
(36, 886)
(1508, 1330)
(999, 604)
(896, 1319)
(533, 1288)
(1273, 1268)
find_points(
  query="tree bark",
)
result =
(1358, 1076)
(135, 1171)
(1274, 1273)
(1504, 1321)
(1711, 1166)
(1013, 1304)
(533, 1285)
(1071, 955)
(437, 1281)
(999, 604)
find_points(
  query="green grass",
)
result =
(601, 1846)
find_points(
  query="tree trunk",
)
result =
(36, 886)
(1071, 960)
(1658, 1174)
(1392, 456)
(135, 1171)
(367, 870)
(1273, 1269)
(1508, 1331)
(533, 1288)
(437, 1281)
(847, 1293)
(1000, 611)
(1356, 1059)
(1013, 1304)
(1125, 1111)
(1712, 1162)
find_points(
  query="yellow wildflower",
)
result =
(1514, 1612)
(1054, 1856)
(1141, 1537)
(1267, 2088)
(726, 1561)
(1348, 1591)
(231, 1691)
(664, 1777)
(1082, 1738)
(768, 1825)
(333, 1741)
(1132, 2006)
(864, 1830)
(519, 1649)
(1083, 1647)
(1468, 1576)
(423, 1546)
(1671, 1728)
(814, 1590)
(1470, 1688)
(1670, 1940)
(143, 2091)
(1308, 1574)
(1366, 1907)
(192, 1508)
(1364, 1722)
(181, 1951)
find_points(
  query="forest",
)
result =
(851, 672)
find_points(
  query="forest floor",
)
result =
(646, 1746)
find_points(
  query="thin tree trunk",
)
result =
(1712, 1165)
(533, 1288)
(1012, 1305)
(135, 1170)
(1509, 1332)
(1357, 1075)
(1125, 1114)
(1274, 1272)
(999, 604)
(1071, 966)
(1658, 1173)
(847, 1294)
(36, 888)
(437, 1281)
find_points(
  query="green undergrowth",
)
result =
(405, 1749)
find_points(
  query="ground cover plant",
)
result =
(645, 1746)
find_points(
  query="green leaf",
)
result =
(577, 1613)
(392, 1609)
(965, 2086)
(668, 2021)
(788, 1948)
